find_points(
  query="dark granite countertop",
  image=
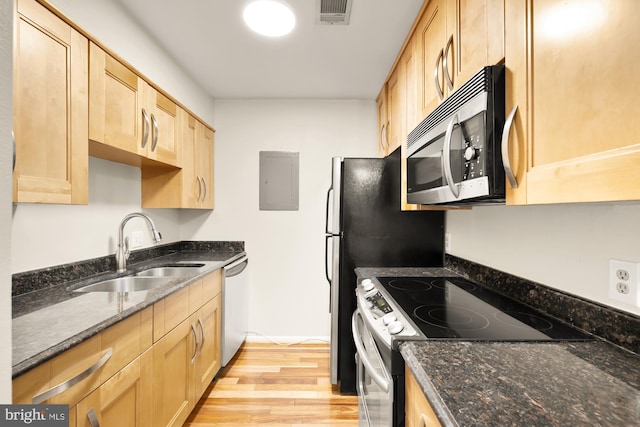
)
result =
(53, 318)
(527, 384)
(558, 383)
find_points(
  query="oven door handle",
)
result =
(446, 155)
(382, 382)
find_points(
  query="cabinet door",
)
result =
(383, 122)
(477, 27)
(209, 359)
(50, 108)
(432, 39)
(125, 400)
(164, 144)
(191, 185)
(418, 411)
(396, 107)
(571, 73)
(116, 96)
(204, 164)
(173, 359)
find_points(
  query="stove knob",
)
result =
(470, 153)
(396, 327)
(389, 318)
(367, 285)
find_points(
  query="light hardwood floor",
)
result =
(275, 385)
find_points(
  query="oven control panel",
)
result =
(383, 318)
(378, 304)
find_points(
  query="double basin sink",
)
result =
(147, 279)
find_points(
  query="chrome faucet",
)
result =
(122, 252)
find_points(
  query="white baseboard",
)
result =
(259, 338)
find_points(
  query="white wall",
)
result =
(567, 247)
(48, 235)
(6, 108)
(289, 293)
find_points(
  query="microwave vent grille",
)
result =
(477, 84)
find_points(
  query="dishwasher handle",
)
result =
(236, 267)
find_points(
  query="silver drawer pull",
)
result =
(93, 418)
(62, 387)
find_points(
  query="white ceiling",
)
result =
(209, 39)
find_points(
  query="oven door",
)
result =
(373, 379)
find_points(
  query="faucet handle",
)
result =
(126, 247)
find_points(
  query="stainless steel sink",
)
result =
(173, 270)
(126, 284)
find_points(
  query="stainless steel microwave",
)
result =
(454, 154)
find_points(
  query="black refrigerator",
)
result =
(365, 227)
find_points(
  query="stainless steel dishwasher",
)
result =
(235, 307)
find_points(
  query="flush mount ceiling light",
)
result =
(270, 18)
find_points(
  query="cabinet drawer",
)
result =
(212, 285)
(169, 312)
(86, 365)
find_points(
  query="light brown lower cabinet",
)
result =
(147, 370)
(418, 411)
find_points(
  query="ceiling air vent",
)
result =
(334, 12)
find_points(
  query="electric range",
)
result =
(456, 308)
(391, 310)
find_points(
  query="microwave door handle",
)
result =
(446, 155)
(506, 162)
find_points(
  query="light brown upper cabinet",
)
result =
(50, 108)
(383, 122)
(191, 186)
(396, 108)
(128, 118)
(455, 39)
(571, 70)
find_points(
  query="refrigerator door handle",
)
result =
(326, 217)
(326, 258)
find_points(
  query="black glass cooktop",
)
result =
(457, 308)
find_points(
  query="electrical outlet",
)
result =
(136, 239)
(447, 241)
(623, 281)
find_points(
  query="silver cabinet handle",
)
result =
(446, 156)
(64, 386)
(448, 77)
(382, 382)
(13, 138)
(145, 134)
(436, 74)
(199, 188)
(506, 162)
(93, 418)
(383, 137)
(204, 186)
(195, 350)
(155, 132)
(202, 334)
